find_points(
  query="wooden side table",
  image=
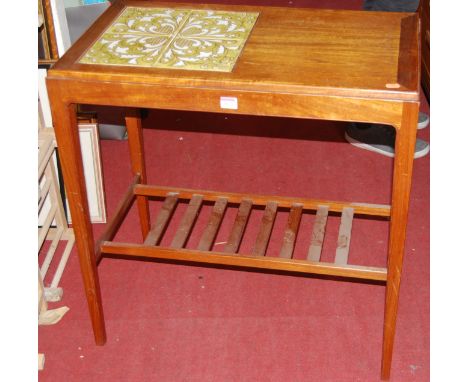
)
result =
(298, 63)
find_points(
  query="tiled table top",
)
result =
(173, 38)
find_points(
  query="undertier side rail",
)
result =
(230, 256)
(262, 200)
(261, 262)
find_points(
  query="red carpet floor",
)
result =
(173, 322)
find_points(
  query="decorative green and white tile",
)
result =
(126, 49)
(173, 38)
(151, 21)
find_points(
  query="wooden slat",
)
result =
(51, 251)
(54, 195)
(44, 190)
(42, 305)
(289, 238)
(209, 234)
(238, 228)
(266, 227)
(45, 152)
(262, 200)
(344, 236)
(261, 262)
(187, 222)
(318, 232)
(45, 227)
(62, 263)
(66, 235)
(158, 228)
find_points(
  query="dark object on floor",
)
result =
(379, 139)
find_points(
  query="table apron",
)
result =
(292, 105)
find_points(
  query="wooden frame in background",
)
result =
(89, 140)
(47, 32)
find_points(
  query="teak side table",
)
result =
(298, 63)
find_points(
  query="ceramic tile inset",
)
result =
(173, 38)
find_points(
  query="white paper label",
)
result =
(228, 103)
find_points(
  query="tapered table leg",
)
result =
(137, 156)
(68, 144)
(402, 171)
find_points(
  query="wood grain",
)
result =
(318, 233)
(262, 200)
(344, 236)
(137, 158)
(263, 237)
(249, 102)
(290, 233)
(188, 220)
(409, 53)
(162, 220)
(261, 262)
(238, 227)
(68, 145)
(216, 217)
(401, 187)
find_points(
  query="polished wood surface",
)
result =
(164, 216)
(222, 258)
(290, 233)
(216, 217)
(354, 66)
(238, 227)
(402, 172)
(318, 233)
(263, 237)
(137, 158)
(68, 146)
(344, 236)
(263, 200)
(365, 44)
(187, 222)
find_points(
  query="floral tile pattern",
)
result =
(173, 38)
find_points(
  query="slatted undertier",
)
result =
(229, 255)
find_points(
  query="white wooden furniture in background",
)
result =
(49, 191)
